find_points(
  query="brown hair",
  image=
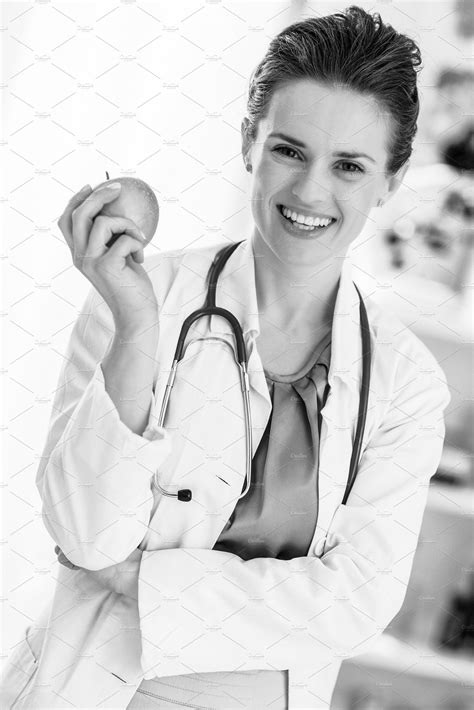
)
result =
(353, 49)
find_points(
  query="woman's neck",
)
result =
(295, 298)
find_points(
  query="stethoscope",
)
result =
(210, 309)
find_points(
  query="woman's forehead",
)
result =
(311, 112)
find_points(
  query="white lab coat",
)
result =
(201, 610)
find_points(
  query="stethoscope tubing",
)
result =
(241, 357)
(363, 398)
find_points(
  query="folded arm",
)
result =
(206, 610)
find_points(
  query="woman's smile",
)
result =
(302, 224)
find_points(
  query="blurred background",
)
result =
(157, 90)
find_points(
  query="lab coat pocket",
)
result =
(19, 672)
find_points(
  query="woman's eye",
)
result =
(286, 150)
(349, 167)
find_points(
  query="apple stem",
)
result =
(107, 175)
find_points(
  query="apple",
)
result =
(137, 202)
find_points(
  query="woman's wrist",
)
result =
(128, 371)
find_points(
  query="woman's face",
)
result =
(320, 156)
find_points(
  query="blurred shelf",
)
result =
(452, 500)
(402, 657)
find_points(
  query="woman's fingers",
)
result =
(65, 221)
(88, 233)
(104, 229)
(83, 216)
(108, 251)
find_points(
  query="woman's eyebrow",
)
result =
(344, 154)
(338, 154)
(289, 139)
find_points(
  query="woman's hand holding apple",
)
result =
(114, 270)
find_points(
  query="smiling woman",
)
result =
(332, 112)
(244, 598)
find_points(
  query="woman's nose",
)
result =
(312, 185)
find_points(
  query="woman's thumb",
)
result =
(138, 256)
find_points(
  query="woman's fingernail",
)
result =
(86, 187)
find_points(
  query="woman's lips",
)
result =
(302, 231)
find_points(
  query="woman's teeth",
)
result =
(303, 222)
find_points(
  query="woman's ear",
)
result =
(246, 143)
(394, 182)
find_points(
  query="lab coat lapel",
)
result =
(339, 415)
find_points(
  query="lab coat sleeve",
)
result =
(94, 474)
(207, 610)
